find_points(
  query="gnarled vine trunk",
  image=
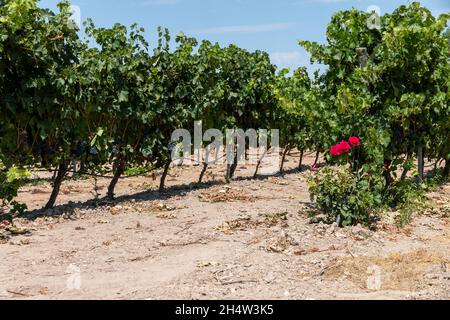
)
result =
(117, 174)
(447, 168)
(258, 165)
(283, 159)
(317, 158)
(406, 167)
(231, 168)
(164, 175)
(387, 174)
(61, 173)
(420, 164)
(300, 162)
(202, 174)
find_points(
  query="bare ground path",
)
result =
(251, 239)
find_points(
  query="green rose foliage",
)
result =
(345, 196)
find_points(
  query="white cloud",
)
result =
(294, 60)
(245, 28)
(289, 59)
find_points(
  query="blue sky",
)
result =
(274, 26)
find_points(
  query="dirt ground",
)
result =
(251, 239)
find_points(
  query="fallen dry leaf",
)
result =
(280, 243)
(226, 195)
(244, 222)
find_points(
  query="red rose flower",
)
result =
(354, 141)
(335, 151)
(344, 147)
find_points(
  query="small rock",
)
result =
(116, 210)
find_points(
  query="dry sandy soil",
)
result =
(251, 239)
